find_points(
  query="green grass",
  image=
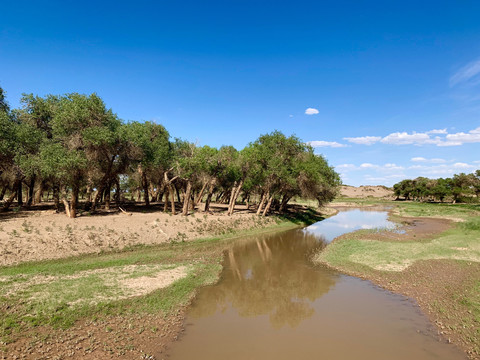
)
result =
(460, 243)
(461, 211)
(57, 293)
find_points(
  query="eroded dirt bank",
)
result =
(44, 234)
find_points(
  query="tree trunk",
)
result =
(267, 208)
(192, 201)
(19, 194)
(225, 198)
(2, 193)
(73, 203)
(55, 196)
(283, 205)
(260, 206)
(107, 196)
(178, 193)
(88, 204)
(11, 198)
(165, 205)
(187, 198)
(31, 187)
(207, 202)
(172, 192)
(233, 199)
(39, 193)
(98, 197)
(211, 187)
(118, 192)
(66, 204)
(146, 196)
(232, 195)
(200, 195)
(160, 194)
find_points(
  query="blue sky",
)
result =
(385, 90)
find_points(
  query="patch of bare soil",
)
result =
(366, 191)
(44, 234)
(127, 337)
(439, 288)
(418, 229)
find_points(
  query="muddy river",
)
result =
(273, 303)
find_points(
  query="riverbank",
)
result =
(126, 303)
(433, 257)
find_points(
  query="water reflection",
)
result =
(272, 303)
(347, 221)
(269, 276)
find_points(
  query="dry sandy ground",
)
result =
(44, 234)
(39, 235)
(366, 192)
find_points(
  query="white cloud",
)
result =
(465, 74)
(441, 138)
(404, 138)
(450, 143)
(363, 140)
(460, 165)
(437, 131)
(368, 166)
(392, 167)
(433, 161)
(290, 116)
(321, 143)
(346, 166)
(442, 170)
(311, 111)
(472, 136)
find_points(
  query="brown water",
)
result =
(273, 303)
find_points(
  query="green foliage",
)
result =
(148, 144)
(459, 187)
(73, 144)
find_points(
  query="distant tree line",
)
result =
(459, 188)
(70, 147)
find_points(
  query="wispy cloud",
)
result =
(437, 131)
(438, 137)
(311, 111)
(390, 167)
(368, 166)
(345, 166)
(424, 160)
(466, 74)
(404, 138)
(363, 140)
(321, 143)
(441, 169)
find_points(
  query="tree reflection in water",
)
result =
(271, 275)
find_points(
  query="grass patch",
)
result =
(57, 293)
(460, 243)
(462, 211)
